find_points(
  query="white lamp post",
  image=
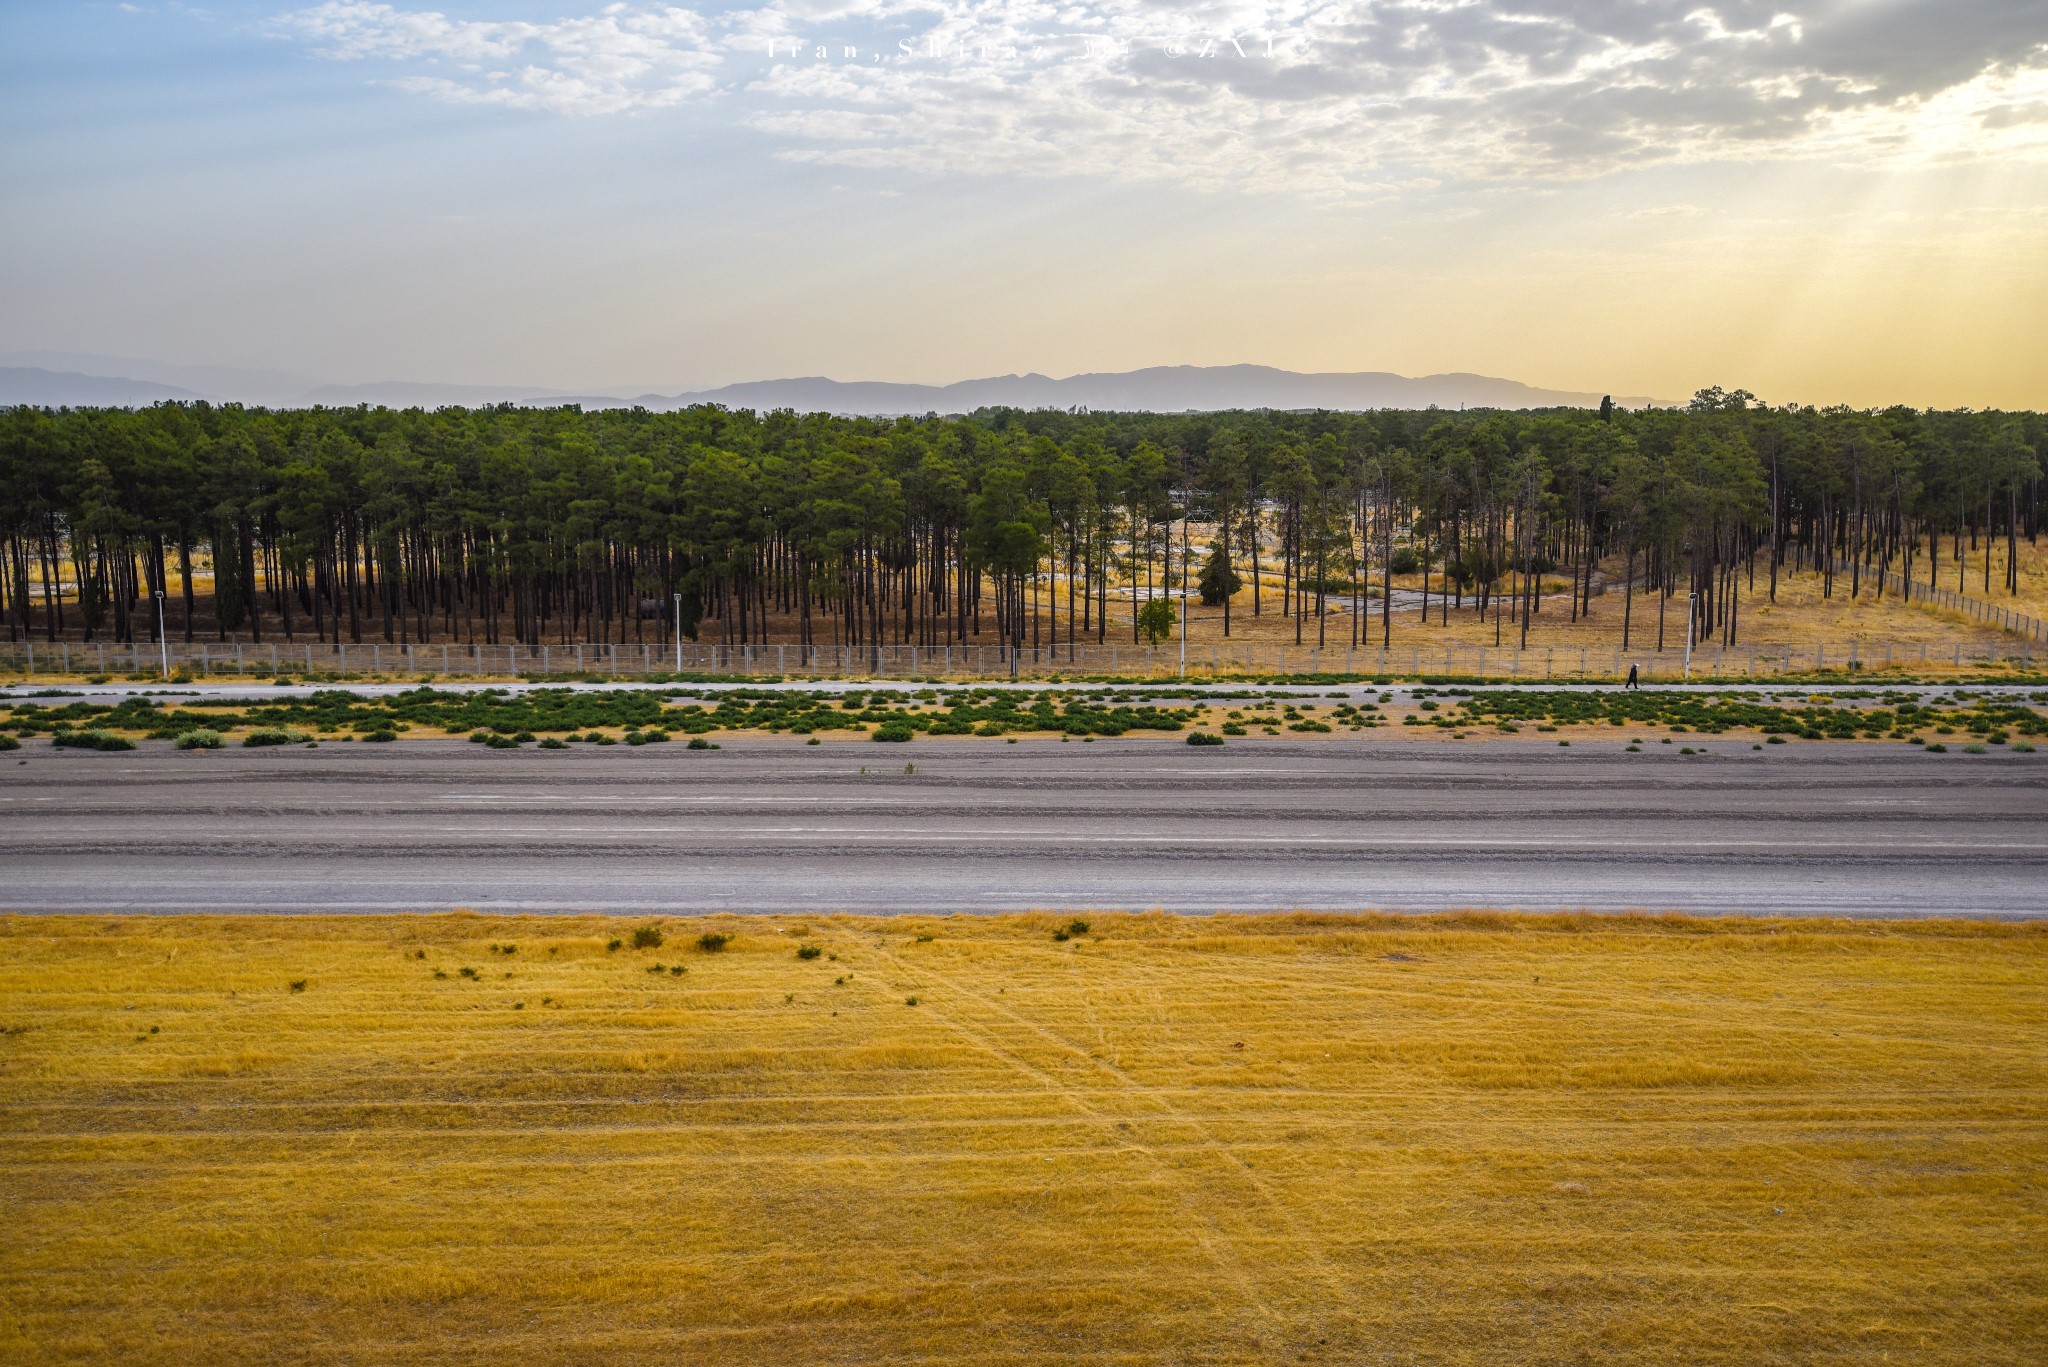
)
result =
(679, 632)
(162, 641)
(1690, 625)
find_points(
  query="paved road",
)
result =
(773, 825)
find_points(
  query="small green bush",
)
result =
(381, 736)
(699, 743)
(647, 937)
(808, 951)
(274, 735)
(894, 731)
(1204, 738)
(8, 743)
(711, 942)
(92, 740)
(298, 984)
(201, 739)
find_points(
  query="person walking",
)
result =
(1634, 681)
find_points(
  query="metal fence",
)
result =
(216, 660)
(2005, 619)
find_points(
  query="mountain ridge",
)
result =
(1166, 389)
(1163, 389)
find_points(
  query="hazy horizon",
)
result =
(1818, 200)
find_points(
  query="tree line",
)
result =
(503, 524)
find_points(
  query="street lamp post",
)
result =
(679, 632)
(162, 641)
(1691, 624)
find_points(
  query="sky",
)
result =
(1822, 201)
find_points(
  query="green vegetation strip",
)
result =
(1897, 716)
(506, 718)
(555, 717)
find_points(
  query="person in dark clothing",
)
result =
(1634, 680)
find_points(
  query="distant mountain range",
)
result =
(60, 378)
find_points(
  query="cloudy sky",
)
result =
(1820, 200)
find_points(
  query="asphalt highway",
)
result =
(774, 825)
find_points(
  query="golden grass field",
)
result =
(1468, 1139)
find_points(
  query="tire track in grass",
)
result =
(1127, 1087)
(1216, 1244)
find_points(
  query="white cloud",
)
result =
(624, 58)
(1320, 96)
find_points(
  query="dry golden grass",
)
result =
(1466, 1139)
(1801, 617)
